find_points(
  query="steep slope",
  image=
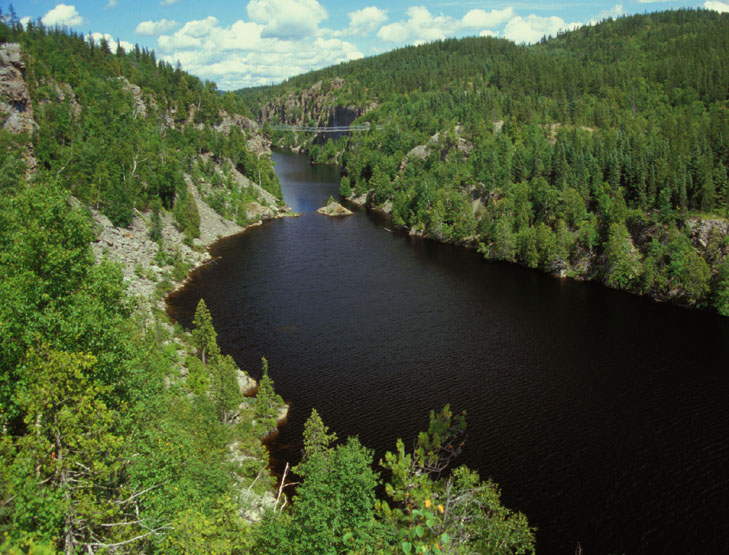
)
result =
(599, 154)
(116, 432)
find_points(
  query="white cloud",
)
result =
(175, 42)
(111, 4)
(25, 20)
(364, 21)
(720, 7)
(242, 35)
(394, 32)
(532, 28)
(482, 19)
(62, 15)
(615, 11)
(97, 37)
(190, 36)
(241, 55)
(165, 3)
(287, 19)
(421, 26)
(488, 33)
(154, 28)
(199, 27)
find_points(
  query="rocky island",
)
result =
(334, 209)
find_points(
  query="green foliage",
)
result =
(622, 263)
(721, 295)
(204, 335)
(268, 402)
(64, 473)
(316, 435)
(12, 163)
(187, 215)
(220, 533)
(458, 513)
(224, 389)
(155, 228)
(333, 510)
(345, 190)
(104, 446)
(535, 152)
(52, 290)
(674, 265)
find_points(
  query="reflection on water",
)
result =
(601, 415)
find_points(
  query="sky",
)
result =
(259, 42)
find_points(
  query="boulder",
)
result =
(334, 209)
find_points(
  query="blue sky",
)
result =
(256, 42)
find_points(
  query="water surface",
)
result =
(603, 416)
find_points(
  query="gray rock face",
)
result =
(140, 109)
(15, 101)
(136, 252)
(256, 142)
(334, 209)
(702, 229)
(317, 103)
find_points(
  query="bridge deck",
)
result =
(333, 129)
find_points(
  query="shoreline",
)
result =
(363, 201)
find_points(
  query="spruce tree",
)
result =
(203, 334)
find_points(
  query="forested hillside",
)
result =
(598, 154)
(119, 432)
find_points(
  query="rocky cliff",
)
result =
(16, 108)
(319, 105)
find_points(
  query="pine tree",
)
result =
(203, 334)
(268, 402)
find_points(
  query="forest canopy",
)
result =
(602, 153)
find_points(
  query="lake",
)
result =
(603, 416)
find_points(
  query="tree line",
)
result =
(601, 153)
(122, 433)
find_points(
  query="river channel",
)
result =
(604, 417)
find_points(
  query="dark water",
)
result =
(604, 417)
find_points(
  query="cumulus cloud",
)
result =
(165, 3)
(481, 19)
(394, 32)
(62, 15)
(287, 19)
(364, 21)
(242, 55)
(615, 11)
(532, 28)
(111, 4)
(420, 26)
(113, 43)
(154, 28)
(721, 7)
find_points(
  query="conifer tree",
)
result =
(267, 400)
(203, 334)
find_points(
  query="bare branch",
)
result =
(130, 540)
(281, 487)
(140, 493)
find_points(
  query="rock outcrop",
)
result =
(16, 108)
(318, 105)
(334, 209)
(15, 101)
(256, 142)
